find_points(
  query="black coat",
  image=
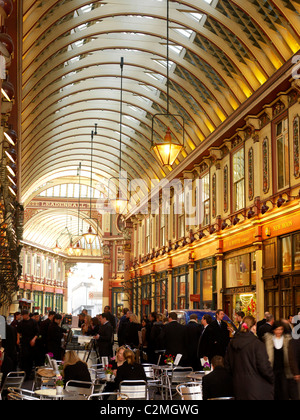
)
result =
(206, 343)
(122, 330)
(217, 384)
(54, 337)
(105, 341)
(77, 372)
(130, 373)
(193, 332)
(248, 363)
(132, 334)
(174, 338)
(221, 337)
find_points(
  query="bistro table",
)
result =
(51, 393)
(196, 376)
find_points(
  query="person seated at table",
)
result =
(130, 370)
(119, 360)
(74, 369)
(219, 383)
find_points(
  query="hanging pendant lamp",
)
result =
(168, 149)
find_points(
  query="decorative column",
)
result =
(107, 259)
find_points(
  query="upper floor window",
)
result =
(282, 150)
(238, 180)
(206, 199)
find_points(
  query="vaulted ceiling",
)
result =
(221, 52)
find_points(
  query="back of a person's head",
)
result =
(57, 316)
(248, 323)
(269, 318)
(71, 358)
(194, 317)
(129, 356)
(218, 361)
(208, 318)
(125, 310)
(173, 316)
(133, 318)
(159, 317)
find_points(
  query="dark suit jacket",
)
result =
(193, 332)
(264, 329)
(206, 342)
(105, 340)
(221, 338)
(217, 384)
(174, 337)
(55, 334)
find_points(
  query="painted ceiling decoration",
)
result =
(221, 52)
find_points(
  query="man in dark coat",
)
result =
(248, 363)
(217, 384)
(54, 337)
(122, 326)
(193, 332)
(27, 334)
(266, 327)
(221, 335)
(105, 337)
(173, 337)
(206, 340)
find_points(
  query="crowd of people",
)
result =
(249, 360)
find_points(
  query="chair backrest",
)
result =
(84, 389)
(222, 399)
(111, 395)
(136, 390)
(21, 394)
(190, 391)
(149, 371)
(13, 379)
(179, 374)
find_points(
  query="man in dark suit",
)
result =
(105, 337)
(173, 336)
(263, 321)
(221, 334)
(219, 383)
(266, 328)
(206, 339)
(193, 332)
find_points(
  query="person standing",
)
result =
(221, 335)
(17, 319)
(27, 334)
(280, 353)
(206, 339)
(266, 327)
(105, 337)
(111, 318)
(132, 332)
(173, 337)
(248, 364)
(54, 338)
(193, 333)
(122, 326)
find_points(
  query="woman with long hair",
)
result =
(130, 370)
(74, 368)
(248, 363)
(132, 332)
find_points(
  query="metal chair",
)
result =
(136, 390)
(13, 379)
(83, 389)
(110, 396)
(176, 376)
(43, 377)
(222, 399)
(154, 380)
(21, 394)
(190, 391)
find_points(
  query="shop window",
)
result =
(180, 288)
(297, 251)
(239, 180)
(238, 271)
(286, 253)
(205, 284)
(206, 199)
(161, 292)
(282, 149)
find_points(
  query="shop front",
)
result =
(282, 275)
(161, 292)
(180, 287)
(239, 273)
(205, 296)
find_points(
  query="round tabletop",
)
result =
(52, 393)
